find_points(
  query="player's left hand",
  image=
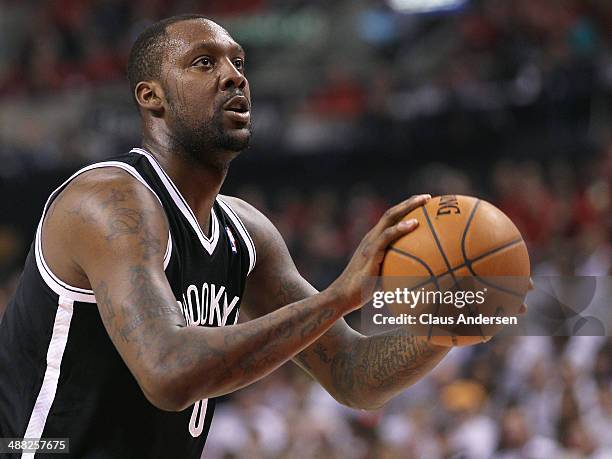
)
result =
(355, 286)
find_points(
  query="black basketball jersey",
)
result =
(61, 376)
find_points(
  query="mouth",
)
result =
(237, 108)
(237, 104)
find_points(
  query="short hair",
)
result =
(147, 52)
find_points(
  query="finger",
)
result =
(395, 232)
(523, 309)
(397, 212)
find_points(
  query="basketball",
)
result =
(467, 248)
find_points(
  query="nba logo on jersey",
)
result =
(231, 239)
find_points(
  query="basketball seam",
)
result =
(451, 272)
(435, 236)
(462, 265)
(465, 258)
(432, 276)
(491, 252)
(468, 262)
(464, 236)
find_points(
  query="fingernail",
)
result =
(407, 224)
(427, 196)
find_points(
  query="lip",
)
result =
(237, 104)
(239, 117)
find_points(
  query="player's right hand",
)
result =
(355, 286)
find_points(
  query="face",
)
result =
(207, 94)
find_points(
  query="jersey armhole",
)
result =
(244, 233)
(55, 283)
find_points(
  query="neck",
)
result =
(199, 181)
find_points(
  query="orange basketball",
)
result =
(462, 244)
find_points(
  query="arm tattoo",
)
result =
(124, 221)
(388, 359)
(128, 221)
(143, 298)
(222, 360)
(137, 312)
(303, 358)
(320, 350)
(343, 373)
(104, 302)
(297, 323)
(120, 219)
(288, 290)
(381, 365)
(309, 327)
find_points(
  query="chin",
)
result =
(238, 140)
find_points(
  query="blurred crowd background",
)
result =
(358, 104)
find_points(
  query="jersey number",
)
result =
(196, 423)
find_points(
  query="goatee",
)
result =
(208, 136)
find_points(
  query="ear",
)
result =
(150, 96)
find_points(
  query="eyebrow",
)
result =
(214, 45)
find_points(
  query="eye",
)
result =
(239, 63)
(203, 61)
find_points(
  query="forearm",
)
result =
(372, 370)
(209, 362)
(339, 359)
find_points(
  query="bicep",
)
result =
(119, 235)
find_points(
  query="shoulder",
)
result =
(105, 186)
(105, 175)
(101, 215)
(106, 198)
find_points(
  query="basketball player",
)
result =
(123, 328)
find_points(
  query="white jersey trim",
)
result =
(48, 389)
(244, 233)
(209, 244)
(55, 283)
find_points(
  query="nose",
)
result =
(232, 78)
